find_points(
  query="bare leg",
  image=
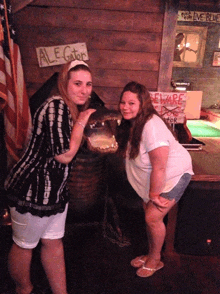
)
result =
(19, 264)
(156, 232)
(52, 257)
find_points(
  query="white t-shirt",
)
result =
(156, 134)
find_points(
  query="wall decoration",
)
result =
(55, 55)
(216, 59)
(170, 105)
(200, 16)
(189, 46)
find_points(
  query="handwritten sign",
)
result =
(199, 16)
(50, 56)
(170, 105)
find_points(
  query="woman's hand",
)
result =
(76, 137)
(159, 201)
(84, 116)
(158, 158)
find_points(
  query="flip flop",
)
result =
(145, 272)
(139, 261)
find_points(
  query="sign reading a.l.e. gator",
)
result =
(55, 55)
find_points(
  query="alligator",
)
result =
(101, 129)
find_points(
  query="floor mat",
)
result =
(200, 128)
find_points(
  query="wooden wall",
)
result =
(206, 78)
(123, 39)
(200, 5)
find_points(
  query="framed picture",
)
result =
(189, 48)
(216, 59)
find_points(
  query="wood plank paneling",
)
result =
(118, 78)
(19, 4)
(87, 19)
(125, 60)
(101, 77)
(117, 60)
(40, 36)
(207, 3)
(167, 52)
(200, 5)
(123, 40)
(111, 95)
(131, 5)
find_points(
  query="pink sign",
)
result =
(170, 105)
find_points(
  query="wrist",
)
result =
(153, 194)
(80, 123)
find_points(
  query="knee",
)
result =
(151, 220)
(52, 248)
(51, 244)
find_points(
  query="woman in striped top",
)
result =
(37, 184)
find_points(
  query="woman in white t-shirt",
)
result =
(158, 167)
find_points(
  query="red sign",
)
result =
(170, 105)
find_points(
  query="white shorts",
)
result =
(28, 229)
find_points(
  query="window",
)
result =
(189, 46)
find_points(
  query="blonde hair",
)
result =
(62, 83)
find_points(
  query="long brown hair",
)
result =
(63, 79)
(132, 132)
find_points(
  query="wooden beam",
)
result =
(167, 50)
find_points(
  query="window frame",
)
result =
(202, 32)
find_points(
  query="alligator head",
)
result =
(101, 129)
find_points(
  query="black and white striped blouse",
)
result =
(37, 183)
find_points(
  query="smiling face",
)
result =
(79, 87)
(129, 105)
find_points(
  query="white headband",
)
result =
(77, 62)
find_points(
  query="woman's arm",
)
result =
(76, 137)
(158, 159)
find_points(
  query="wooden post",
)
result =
(167, 49)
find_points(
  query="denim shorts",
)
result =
(177, 192)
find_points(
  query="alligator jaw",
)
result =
(100, 131)
(102, 143)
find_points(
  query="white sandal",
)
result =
(149, 271)
(139, 261)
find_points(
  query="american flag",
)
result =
(13, 96)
